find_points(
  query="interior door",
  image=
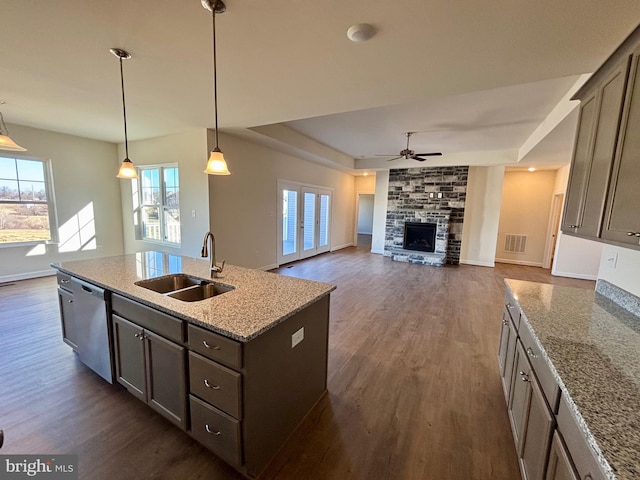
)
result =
(288, 228)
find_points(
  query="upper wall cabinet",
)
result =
(602, 195)
(622, 222)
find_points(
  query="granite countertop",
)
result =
(260, 300)
(593, 347)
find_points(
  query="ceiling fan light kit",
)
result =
(409, 154)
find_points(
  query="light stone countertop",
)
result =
(260, 300)
(593, 348)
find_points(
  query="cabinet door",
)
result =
(504, 342)
(623, 215)
(508, 350)
(166, 378)
(537, 434)
(520, 397)
(610, 100)
(129, 356)
(68, 319)
(559, 466)
(579, 165)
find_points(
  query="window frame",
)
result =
(162, 206)
(51, 204)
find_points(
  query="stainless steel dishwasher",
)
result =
(94, 338)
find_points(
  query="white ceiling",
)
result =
(483, 76)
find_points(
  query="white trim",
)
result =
(519, 262)
(581, 276)
(340, 247)
(477, 263)
(27, 276)
(377, 251)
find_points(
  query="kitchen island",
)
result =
(583, 350)
(238, 371)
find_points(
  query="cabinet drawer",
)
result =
(149, 318)
(584, 459)
(215, 347)
(216, 430)
(513, 309)
(540, 367)
(64, 281)
(218, 385)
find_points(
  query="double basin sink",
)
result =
(185, 287)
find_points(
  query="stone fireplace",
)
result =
(419, 236)
(426, 199)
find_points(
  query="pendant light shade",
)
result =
(6, 143)
(127, 170)
(216, 164)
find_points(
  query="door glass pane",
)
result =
(289, 221)
(172, 225)
(309, 220)
(150, 223)
(324, 221)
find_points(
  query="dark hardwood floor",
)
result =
(413, 383)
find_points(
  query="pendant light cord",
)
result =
(124, 111)
(215, 78)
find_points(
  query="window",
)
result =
(24, 201)
(158, 196)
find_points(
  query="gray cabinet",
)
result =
(623, 215)
(67, 312)
(594, 151)
(507, 351)
(560, 466)
(152, 368)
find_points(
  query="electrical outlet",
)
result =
(439, 194)
(193, 214)
(612, 259)
(297, 337)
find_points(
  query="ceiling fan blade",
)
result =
(389, 155)
(396, 158)
(419, 159)
(430, 154)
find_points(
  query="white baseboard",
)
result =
(477, 263)
(581, 276)
(340, 247)
(519, 262)
(268, 267)
(377, 251)
(27, 276)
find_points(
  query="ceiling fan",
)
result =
(408, 154)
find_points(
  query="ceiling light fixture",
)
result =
(216, 165)
(361, 32)
(6, 143)
(531, 169)
(127, 170)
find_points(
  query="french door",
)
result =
(304, 221)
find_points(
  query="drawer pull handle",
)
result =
(505, 323)
(509, 305)
(208, 385)
(206, 427)
(588, 477)
(139, 336)
(524, 376)
(215, 347)
(64, 280)
(631, 234)
(531, 353)
(70, 301)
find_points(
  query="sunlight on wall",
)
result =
(40, 249)
(79, 232)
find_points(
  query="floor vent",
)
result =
(515, 243)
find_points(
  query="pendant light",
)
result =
(127, 170)
(216, 164)
(6, 143)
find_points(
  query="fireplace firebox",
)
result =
(419, 236)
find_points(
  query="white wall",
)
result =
(625, 274)
(526, 203)
(365, 213)
(380, 212)
(482, 216)
(189, 151)
(84, 178)
(243, 206)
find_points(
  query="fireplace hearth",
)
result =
(420, 237)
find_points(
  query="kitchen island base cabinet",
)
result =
(152, 368)
(559, 467)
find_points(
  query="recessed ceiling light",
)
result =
(361, 32)
(531, 169)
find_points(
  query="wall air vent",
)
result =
(515, 243)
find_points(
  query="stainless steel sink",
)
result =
(185, 287)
